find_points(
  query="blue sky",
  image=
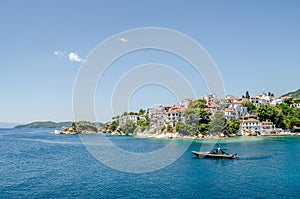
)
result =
(255, 44)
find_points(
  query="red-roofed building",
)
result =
(252, 124)
(174, 115)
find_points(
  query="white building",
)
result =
(210, 98)
(155, 124)
(268, 127)
(230, 114)
(241, 112)
(236, 112)
(275, 102)
(295, 105)
(143, 117)
(251, 125)
(185, 103)
(125, 118)
(157, 112)
(174, 115)
(262, 99)
(256, 100)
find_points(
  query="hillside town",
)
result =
(243, 111)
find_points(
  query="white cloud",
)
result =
(59, 53)
(123, 39)
(74, 57)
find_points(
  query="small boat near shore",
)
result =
(216, 153)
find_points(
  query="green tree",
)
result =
(73, 125)
(286, 110)
(231, 127)
(247, 95)
(217, 123)
(295, 112)
(169, 128)
(128, 127)
(114, 125)
(288, 101)
(142, 111)
(203, 128)
(294, 122)
(290, 116)
(194, 119)
(163, 128)
(251, 108)
(195, 111)
(186, 129)
(178, 124)
(266, 112)
(143, 124)
(279, 119)
(193, 115)
(199, 103)
(272, 113)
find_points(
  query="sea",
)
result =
(36, 164)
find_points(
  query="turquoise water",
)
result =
(35, 164)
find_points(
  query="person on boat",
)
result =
(222, 151)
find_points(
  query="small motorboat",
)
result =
(216, 153)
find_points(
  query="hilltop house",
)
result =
(123, 119)
(276, 101)
(185, 103)
(209, 99)
(263, 99)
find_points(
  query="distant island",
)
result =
(51, 124)
(46, 124)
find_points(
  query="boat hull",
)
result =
(210, 155)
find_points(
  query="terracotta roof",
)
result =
(167, 106)
(251, 120)
(176, 111)
(228, 110)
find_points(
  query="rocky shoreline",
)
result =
(91, 128)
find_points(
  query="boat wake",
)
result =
(255, 157)
(52, 142)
